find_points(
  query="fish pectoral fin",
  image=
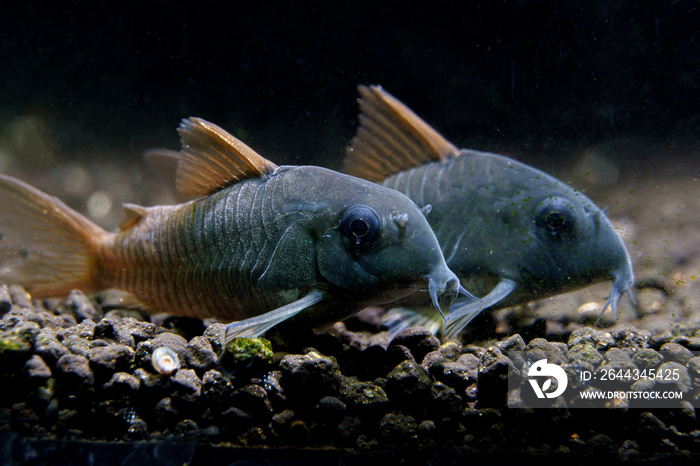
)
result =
(391, 138)
(400, 318)
(256, 326)
(463, 311)
(211, 159)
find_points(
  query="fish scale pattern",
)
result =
(216, 249)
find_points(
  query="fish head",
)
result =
(499, 219)
(570, 243)
(376, 243)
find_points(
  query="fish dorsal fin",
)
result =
(211, 159)
(391, 138)
(163, 162)
(131, 215)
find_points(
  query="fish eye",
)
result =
(360, 224)
(556, 215)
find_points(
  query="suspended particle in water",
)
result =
(99, 204)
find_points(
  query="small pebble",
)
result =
(539, 348)
(677, 353)
(512, 343)
(455, 374)
(82, 307)
(364, 398)
(186, 382)
(427, 428)
(253, 399)
(123, 383)
(48, 347)
(419, 340)
(601, 443)
(74, 370)
(36, 368)
(20, 297)
(310, 376)
(584, 352)
(330, 410)
(113, 330)
(200, 355)
(694, 367)
(110, 359)
(599, 339)
(444, 401)
(397, 427)
(673, 376)
(408, 384)
(166, 412)
(493, 377)
(77, 345)
(647, 358)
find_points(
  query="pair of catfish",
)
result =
(262, 244)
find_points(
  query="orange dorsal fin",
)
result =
(211, 159)
(391, 138)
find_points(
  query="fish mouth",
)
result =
(623, 283)
(445, 290)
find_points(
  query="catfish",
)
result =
(511, 232)
(259, 244)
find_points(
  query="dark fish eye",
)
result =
(556, 215)
(360, 224)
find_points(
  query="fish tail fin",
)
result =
(45, 246)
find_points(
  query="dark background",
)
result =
(536, 79)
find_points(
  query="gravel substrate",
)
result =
(73, 370)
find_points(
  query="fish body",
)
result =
(258, 246)
(225, 255)
(511, 232)
(498, 219)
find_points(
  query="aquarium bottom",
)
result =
(17, 449)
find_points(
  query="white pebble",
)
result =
(591, 306)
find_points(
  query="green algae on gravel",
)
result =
(244, 351)
(15, 348)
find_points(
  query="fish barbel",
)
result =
(261, 244)
(507, 229)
